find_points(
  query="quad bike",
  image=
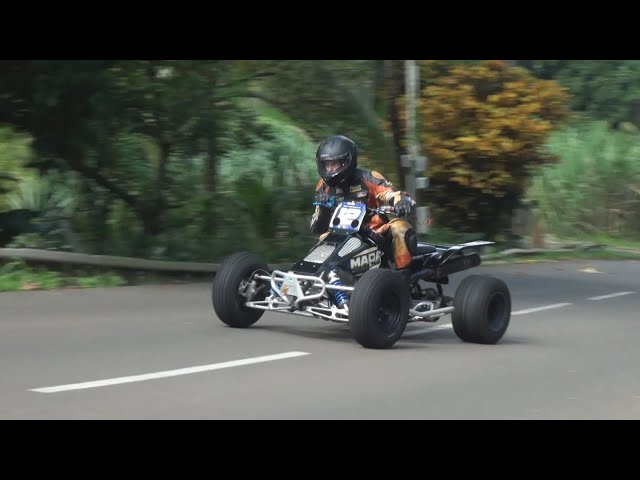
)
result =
(349, 276)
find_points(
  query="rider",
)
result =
(337, 161)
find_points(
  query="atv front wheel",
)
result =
(228, 304)
(379, 308)
(482, 309)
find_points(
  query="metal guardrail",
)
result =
(132, 263)
(51, 256)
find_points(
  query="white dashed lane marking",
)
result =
(518, 312)
(540, 309)
(168, 373)
(611, 295)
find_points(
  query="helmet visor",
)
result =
(329, 168)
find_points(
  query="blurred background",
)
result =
(191, 160)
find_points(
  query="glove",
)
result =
(403, 208)
(323, 199)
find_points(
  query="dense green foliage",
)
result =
(604, 89)
(482, 128)
(595, 189)
(194, 159)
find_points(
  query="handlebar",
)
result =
(364, 228)
(383, 210)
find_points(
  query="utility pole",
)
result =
(410, 80)
(414, 162)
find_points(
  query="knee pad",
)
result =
(404, 231)
(411, 240)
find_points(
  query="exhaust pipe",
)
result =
(452, 266)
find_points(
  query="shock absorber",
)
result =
(339, 297)
(273, 292)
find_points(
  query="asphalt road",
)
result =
(159, 352)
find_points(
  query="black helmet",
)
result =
(338, 148)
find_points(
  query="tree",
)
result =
(604, 89)
(127, 127)
(328, 97)
(482, 126)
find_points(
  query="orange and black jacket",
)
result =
(365, 186)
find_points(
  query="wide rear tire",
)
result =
(482, 309)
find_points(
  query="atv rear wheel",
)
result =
(227, 301)
(379, 309)
(482, 309)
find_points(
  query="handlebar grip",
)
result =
(330, 203)
(385, 209)
(323, 204)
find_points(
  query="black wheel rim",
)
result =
(389, 313)
(496, 312)
(241, 300)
